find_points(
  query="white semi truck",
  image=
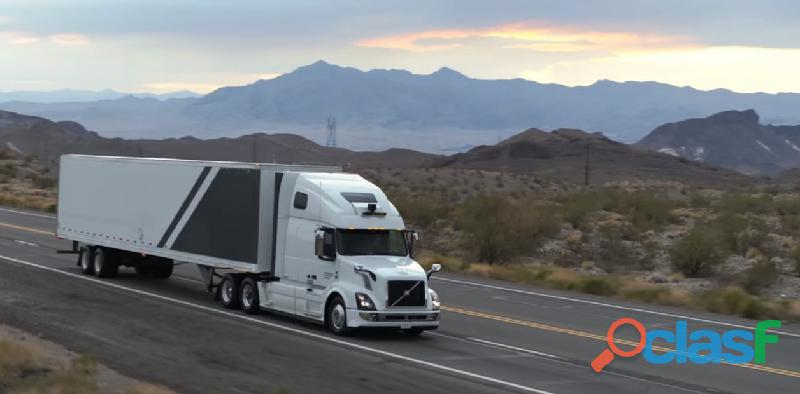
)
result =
(308, 241)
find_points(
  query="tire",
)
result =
(229, 291)
(106, 265)
(143, 269)
(413, 332)
(86, 260)
(248, 296)
(162, 269)
(336, 317)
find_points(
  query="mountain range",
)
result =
(731, 139)
(559, 155)
(73, 95)
(439, 112)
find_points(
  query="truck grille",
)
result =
(406, 293)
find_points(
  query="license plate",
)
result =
(405, 325)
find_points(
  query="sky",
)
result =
(170, 45)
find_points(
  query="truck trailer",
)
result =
(308, 241)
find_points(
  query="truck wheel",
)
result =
(229, 291)
(105, 264)
(162, 268)
(85, 258)
(249, 296)
(336, 317)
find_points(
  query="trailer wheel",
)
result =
(229, 291)
(105, 263)
(248, 291)
(162, 268)
(336, 317)
(85, 258)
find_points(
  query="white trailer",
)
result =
(308, 241)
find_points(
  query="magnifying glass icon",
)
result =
(607, 356)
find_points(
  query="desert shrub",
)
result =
(421, 209)
(699, 200)
(734, 300)
(790, 223)
(576, 209)
(758, 277)
(796, 256)
(735, 203)
(738, 234)
(9, 170)
(613, 253)
(42, 182)
(696, 254)
(498, 229)
(598, 285)
(647, 210)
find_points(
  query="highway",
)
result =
(495, 336)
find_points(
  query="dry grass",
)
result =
(728, 300)
(29, 365)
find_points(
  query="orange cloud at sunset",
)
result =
(534, 36)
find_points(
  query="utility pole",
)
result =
(586, 165)
(331, 127)
(254, 148)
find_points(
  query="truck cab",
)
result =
(347, 258)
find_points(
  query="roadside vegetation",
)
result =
(24, 183)
(31, 366)
(726, 251)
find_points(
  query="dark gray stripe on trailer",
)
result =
(225, 223)
(275, 205)
(184, 206)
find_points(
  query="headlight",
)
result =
(434, 299)
(364, 302)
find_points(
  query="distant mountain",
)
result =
(562, 154)
(29, 135)
(437, 112)
(71, 95)
(731, 139)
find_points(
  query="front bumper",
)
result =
(393, 319)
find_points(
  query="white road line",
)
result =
(562, 298)
(514, 348)
(697, 319)
(28, 213)
(25, 242)
(363, 348)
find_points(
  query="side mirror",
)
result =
(413, 238)
(434, 268)
(324, 245)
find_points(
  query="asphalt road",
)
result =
(495, 336)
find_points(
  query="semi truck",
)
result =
(308, 241)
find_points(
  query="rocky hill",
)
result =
(731, 139)
(47, 140)
(562, 154)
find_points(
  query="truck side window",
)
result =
(300, 200)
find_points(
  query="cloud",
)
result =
(18, 38)
(770, 70)
(536, 36)
(69, 39)
(203, 87)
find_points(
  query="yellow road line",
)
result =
(583, 334)
(28, 229)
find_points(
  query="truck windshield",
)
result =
(371, 242)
